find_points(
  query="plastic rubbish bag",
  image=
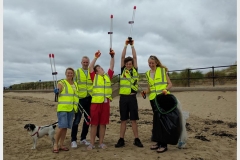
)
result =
(167, 125)
(184, 115)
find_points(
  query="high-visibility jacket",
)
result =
(101, 88)
(68, 99)
(84, 82)
(127, 82)
(158, 84)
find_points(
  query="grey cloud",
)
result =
(182, 34)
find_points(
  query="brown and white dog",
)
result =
(39, 131)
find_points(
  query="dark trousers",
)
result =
(155, 130)
(85, 103)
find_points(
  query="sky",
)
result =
(182, 34)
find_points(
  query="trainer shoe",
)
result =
(120, 143)
(74, 144)
(84, 142)
(137, 142)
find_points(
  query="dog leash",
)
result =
(49, 125)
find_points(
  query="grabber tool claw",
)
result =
(80, 108)
(54, 74)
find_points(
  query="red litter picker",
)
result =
(131, 24)
(54, 74)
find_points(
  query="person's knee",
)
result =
(123, 122)
(77, 119)
(134, 121)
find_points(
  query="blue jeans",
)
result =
(85, 103)
(65, 119)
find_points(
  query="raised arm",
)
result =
(91, 66)
(112, 53)
(124, 53)
(134, 54)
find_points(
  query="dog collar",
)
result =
(37, 132)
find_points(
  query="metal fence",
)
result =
(185, 79)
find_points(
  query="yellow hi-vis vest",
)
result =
(84, 82)
(68, 98)
(158, 84)
(127, 82)
(101, 88)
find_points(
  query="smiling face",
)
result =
(152, 63)
(128, 62)
(85, 63)
(69, 74)
(128, 65)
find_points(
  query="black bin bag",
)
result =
(166, 120)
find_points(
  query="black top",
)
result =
(131, 73)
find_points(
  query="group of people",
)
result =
(89, 87)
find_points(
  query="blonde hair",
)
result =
(157, 61)
(71, 69)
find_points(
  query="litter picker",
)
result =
(139, 86)
(54, 73)
(80, 108)
(111, 31)
(131, 24)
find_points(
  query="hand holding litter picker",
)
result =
(131, 42)
(97, 54)
(54, 74)
(112, 53)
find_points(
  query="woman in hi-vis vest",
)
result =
(67, 106)
(158, 82)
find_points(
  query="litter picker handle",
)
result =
(111, 31)
(56, 97)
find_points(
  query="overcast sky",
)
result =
(182, 34)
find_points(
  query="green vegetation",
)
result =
(180, 78)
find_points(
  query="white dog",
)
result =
(37, 132)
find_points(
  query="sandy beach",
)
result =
(211, 127)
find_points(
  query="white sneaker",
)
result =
(85, 142)
(74, 144)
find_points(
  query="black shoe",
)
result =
(137, 142)
(120, 143)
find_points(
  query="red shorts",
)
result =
(100, 113)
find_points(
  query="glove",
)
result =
(56, 90)
(165, 91)
(112, 53)
(97, 54)
(143, 93)
(131, 42)
(126, 42)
